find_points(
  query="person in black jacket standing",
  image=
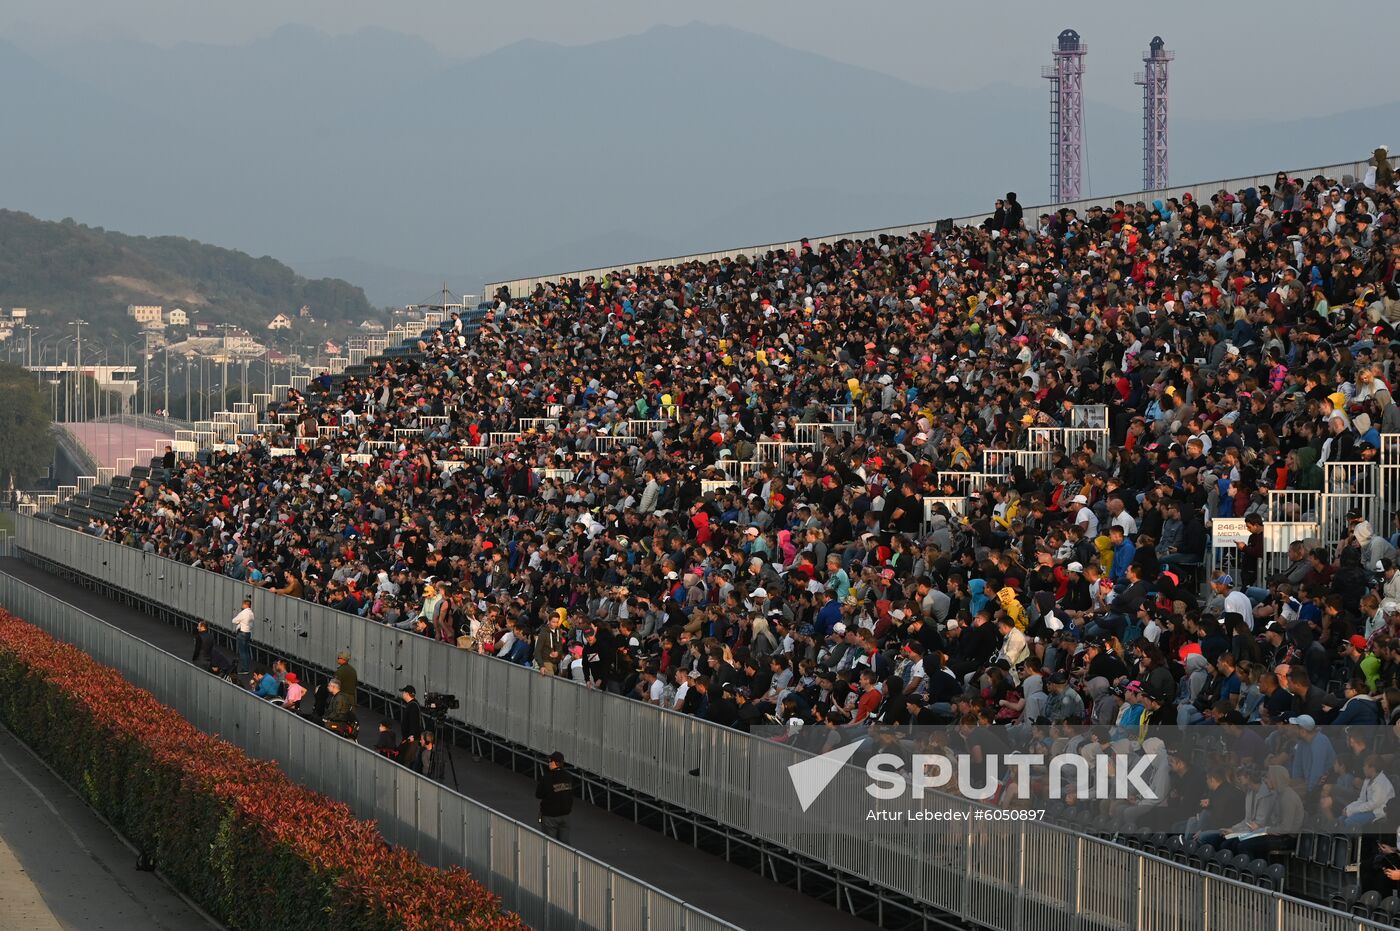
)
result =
(203, 645)
(207, 653)
(555, 790)
(411, 718)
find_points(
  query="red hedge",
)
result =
(236, 834)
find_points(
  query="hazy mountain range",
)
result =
(375, 158)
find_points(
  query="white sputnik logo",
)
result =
(811, 777)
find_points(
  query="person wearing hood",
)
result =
(977, 589)
(1033, 688)
(1280, 816)
(1372, 546)
(1006, 597)
(1103, 701)
(1157, 776)
(786, 550)
(1190, 688)
(1306, 476)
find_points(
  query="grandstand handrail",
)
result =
(651, 750)
(372, 785)
(83, 458)
(521, 286)
(148, 422)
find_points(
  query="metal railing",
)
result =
(519, 287)
(549, 884)
(702, 768)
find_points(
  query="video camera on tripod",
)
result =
(437, 704)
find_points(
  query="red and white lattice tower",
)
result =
(1154, 115)
(1066, 78)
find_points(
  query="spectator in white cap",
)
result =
(1084, 516)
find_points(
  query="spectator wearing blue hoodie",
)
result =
(1123, 552)
(977, 588)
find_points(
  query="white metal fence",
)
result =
(1287, 505)
(548, 884)
(703, 768)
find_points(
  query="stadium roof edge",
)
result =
(521, 286)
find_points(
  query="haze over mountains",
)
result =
(375, 158)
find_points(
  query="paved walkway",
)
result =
(108, 442)
(62, 868)
(21, 903)
(704, 880)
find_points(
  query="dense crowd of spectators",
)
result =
(1238, 345)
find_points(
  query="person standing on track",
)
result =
(243, 636)
(346, 675)
(555, 790)
(411, 718)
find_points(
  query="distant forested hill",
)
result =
(62, 271)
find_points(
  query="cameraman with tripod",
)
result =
(430, 761)
(420, 751)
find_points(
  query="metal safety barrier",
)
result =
(1278, 537)
(702, 768)
(643, 429)
(965, 483)
(999, 462)
(773, 451)
(956, 507)
(549, 884)
(1223, 555)
(1069, 439)
(810, 434)
(1292, 505)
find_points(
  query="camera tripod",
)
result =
(443, 742)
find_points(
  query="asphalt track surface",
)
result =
(703, 880)
(62, 867)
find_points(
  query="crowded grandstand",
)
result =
(1123, 466)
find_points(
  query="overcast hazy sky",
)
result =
(1325, 57)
